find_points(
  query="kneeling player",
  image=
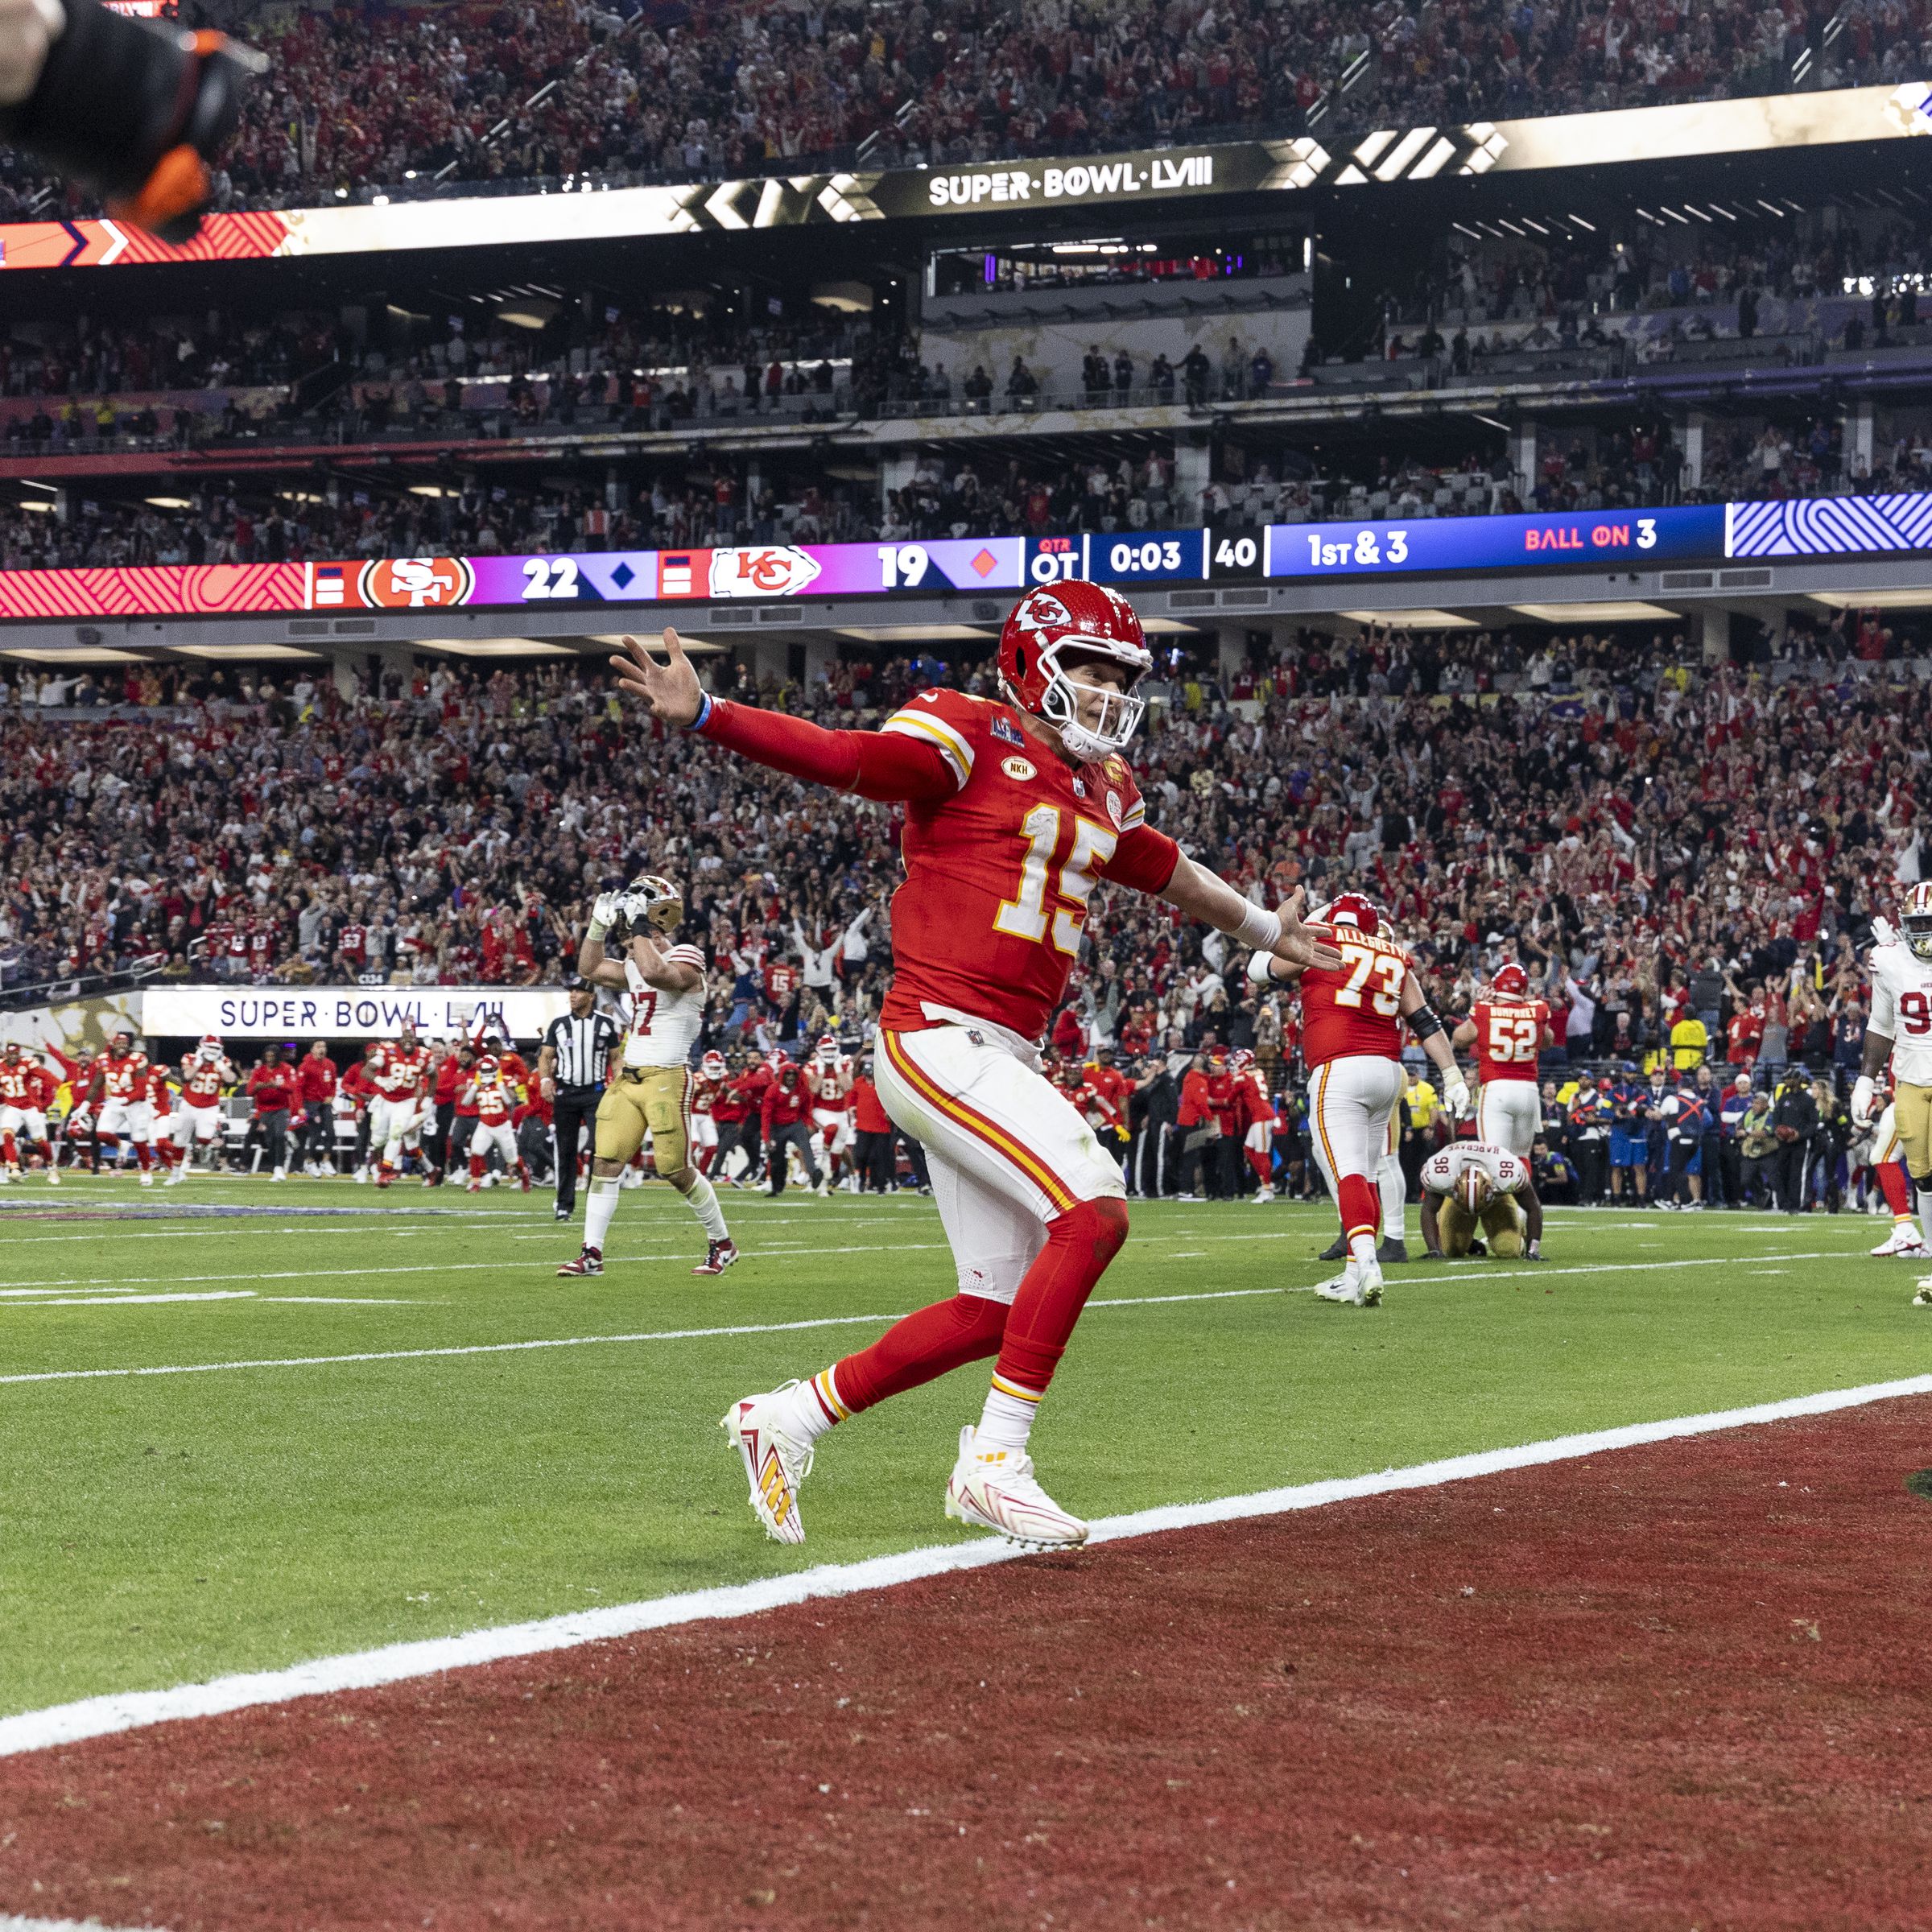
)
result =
(1899, 1031)
(1472, 1185)
(653, 1090)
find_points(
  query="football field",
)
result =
(245, 1427)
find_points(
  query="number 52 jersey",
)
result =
(1901, 1010)
(988, 923)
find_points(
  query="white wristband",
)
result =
(1259, 928)
(595, 932)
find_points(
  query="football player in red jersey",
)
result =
(22, 1112)
(488, 1091)
(206, 1073)
(1257, 1123)
(1015, 805)
(1353, 1015)
(828, 1076)
(121, 1093)
(1507, 1029)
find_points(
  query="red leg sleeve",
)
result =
(924, 1344)
(1360, 1205)
(1892, 1181)
(1079, 1244)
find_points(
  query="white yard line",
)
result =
(359, 1670)
(1469, 1271)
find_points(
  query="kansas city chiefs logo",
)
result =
(1043, 611)
(768, 570)
(417, 583)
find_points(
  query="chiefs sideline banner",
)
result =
(299, 1014)
(1107, 181)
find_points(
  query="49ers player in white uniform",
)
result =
(21, 1115)
(1900, 1031)
(1353, 1018)
(494, 1104)
(196, 1121)
(1508, 1029)
(1472, 1184)
(828, 1078)
(1015, 805)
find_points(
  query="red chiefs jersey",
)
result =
(42, 1083)
(704, 1094)
(202, 1082)
(397, 1070)
(1507, 1033)
(157, 1092)
(126, 1077)
(998, 876)
(16, 1083)
(493, 1104)
(1356, 1009)
(823, 1083)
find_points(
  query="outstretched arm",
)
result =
(885, 765)
(1203, 895)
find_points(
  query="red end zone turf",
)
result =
(1668, 1687)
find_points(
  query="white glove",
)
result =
(603, 914)
(1883, 933)
(1259, 968)
(1456, 1094)
(1864, 1100)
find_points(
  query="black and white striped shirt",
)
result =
(583, 1048)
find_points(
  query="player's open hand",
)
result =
(1301, 945)
(670, 690)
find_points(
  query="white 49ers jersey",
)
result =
(1442, 1169)
(1901, 1010)
(664, 1025)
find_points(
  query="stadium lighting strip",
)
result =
(395, 1663)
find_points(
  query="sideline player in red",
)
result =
(1507, 1029)
(1352, 1016)
(1016, 806)
(22, 1112)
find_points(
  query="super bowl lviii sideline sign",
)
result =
(357, 1013)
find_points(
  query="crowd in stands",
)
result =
(361, 99)
(1600, 807)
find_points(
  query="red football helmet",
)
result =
(1511, 981)
(713, 1066)
(827, 1050)
(1244, 1059)
(1063, 623)
(1353, 908)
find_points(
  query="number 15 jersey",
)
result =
(1901, 1010)
(998, 876)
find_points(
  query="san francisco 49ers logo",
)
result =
(417, 583)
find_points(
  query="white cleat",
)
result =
(53, 1177)
(1905, 1238)
(776, 1463)
(1358, 1286)
(1262, 1196)
(998, 1491)
(147, 1180)
(175, 1179)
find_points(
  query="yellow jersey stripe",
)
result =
(995, 1136)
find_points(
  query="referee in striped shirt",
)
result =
(573, 1069)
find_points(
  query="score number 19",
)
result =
(902, 566)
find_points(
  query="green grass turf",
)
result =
(160, 1530)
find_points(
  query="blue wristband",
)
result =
(705, 707)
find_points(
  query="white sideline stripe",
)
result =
(124, 1301)
(393, 1663)
(1470, 1271)
(9, 1923)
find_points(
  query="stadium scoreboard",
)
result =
(1881, 526)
